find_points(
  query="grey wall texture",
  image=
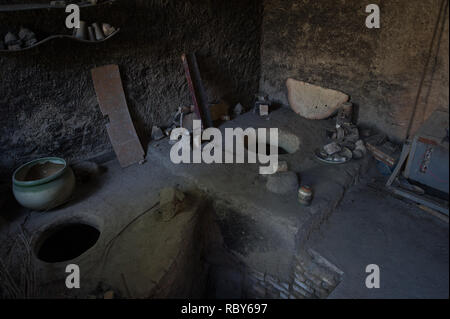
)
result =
(47, 101)
(49, 108)
(327, 43)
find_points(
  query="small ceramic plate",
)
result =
(339, 158)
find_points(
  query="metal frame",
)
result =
(409, 195)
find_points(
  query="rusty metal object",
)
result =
(201, 105)
(382, 155)
(111, 98)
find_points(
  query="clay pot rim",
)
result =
(42, 180)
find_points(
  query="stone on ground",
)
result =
(169, 204)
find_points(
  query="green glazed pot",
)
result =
(45, 193)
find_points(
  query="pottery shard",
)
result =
(313, 102)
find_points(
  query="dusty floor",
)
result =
(234, 239)
(250, 232)
(409, 245)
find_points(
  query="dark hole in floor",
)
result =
(67, 242)
(281, 150)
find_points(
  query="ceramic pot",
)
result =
(81, 32)
(98, 32)
(43, 184)
(91, 34)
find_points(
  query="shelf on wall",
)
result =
(61, 36)
(37, 6)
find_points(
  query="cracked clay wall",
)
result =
(47, 101)
(327, 43)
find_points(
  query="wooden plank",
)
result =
(112, 101)
(420, 199)
(434, 213)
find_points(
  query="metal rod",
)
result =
(201, 105)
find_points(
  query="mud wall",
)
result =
(47, 100)
(327, 43)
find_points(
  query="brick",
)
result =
(297, 282)
(252, 281)
(313, 279)
(259, 291)
(300, 277)
(270, 278)
(305, 287)
(326, 286)
(279, 287)
(257, 274)
(285, 285)
(329, 281)
(297, 290)
(321, 293)
(284, 296)
(272, 293)
(299, 268)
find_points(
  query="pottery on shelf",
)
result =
(81, 32)
(91, 33)
(98, 32)
(108, 29)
